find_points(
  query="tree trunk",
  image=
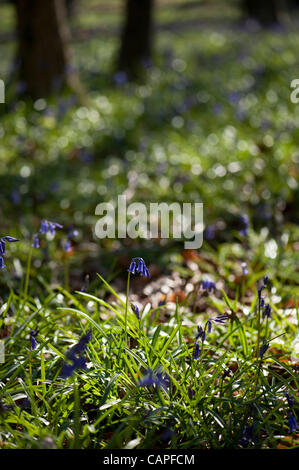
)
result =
(136, 39)
(266, 12)
(43, 47)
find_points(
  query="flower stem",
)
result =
(28, 269)
(126, 311)
(258, 329)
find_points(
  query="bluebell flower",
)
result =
(80, 347)
(196, 351)
(209, 232)
(33, 335)
(221, 318)
(2, 265)
(154, 379)
(136, 311)
(245, 225)
(138, 268)
(200, 333)
(120, 78)
(266, 279)
(35, 243)
(74, 355)
(69, 369)
(263, 350)
(72, 233)
(292, 423)
(147, 380)
(208, 285)
(209, 325)
(47, 226)
(262, 303)
(2, 247)
(267, 311)
(290, 400)
(6, 239)
(67, 246)
(132, 267)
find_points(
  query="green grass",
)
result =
(212, 123)
(104, 407)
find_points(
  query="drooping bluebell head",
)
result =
(267, 311)
(221, 318)
(209, 326)
(136, 311)
(47, 226)
(67, 246)
(200, 333)
(8, 239)
(263, 350)
(75, 359)
(33, 335)
(290, 400)
(35, 242)
(138, 266)
(156, 379)
(2, 265)
(208, 285)
(292, 423)
(196, 351)
(244, 225)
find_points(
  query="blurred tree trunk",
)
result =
(136, 38)
(43, 47)
(266, 12)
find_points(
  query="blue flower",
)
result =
(221, 318)
(196, 351)
(136, 311)
(208, 285)
(267, 311)
(69, 369)
(292, 423)
(209, 325)
(263, 349)
(141, 267)
(2, 243)
(33, 335)
(72, 233)
(74, 355)
(35, 242)
(290, 399)
(47, 226)
(67, 246)
(209, 232)
(200, 333)
(3, 240)
(132, 267)
(156, 379)
(245, 225)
